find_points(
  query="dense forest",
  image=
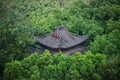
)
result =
(21, 21)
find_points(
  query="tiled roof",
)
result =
(61, 38)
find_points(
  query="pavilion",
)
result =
(62, 40)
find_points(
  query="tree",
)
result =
(16, 35)
(57, 66)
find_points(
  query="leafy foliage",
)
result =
(107, 13)
(58, 66)
(21, 20)
(15, 35)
